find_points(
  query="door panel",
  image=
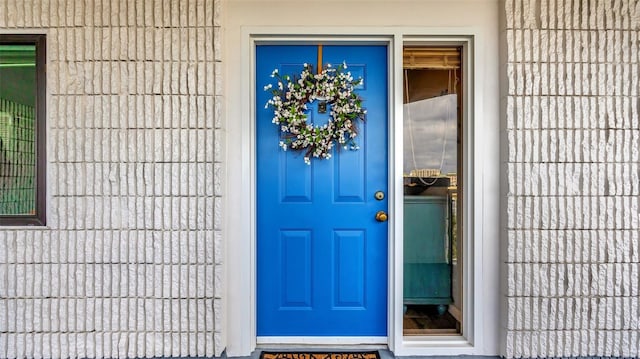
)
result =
(321, 255)
(296, 180)
(350, 177)
(296, 269)
(349, 264)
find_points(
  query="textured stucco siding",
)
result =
(129, 264)
(573, 190)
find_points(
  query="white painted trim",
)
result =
(255, 36)
(321, 340)
(242, 279)
(453, 344)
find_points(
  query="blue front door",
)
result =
(321, 254)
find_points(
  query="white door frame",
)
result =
(240, 259)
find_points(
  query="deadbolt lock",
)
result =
(379, 195)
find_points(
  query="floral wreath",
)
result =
(290, 99)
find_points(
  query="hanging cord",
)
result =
(444, 132)
(413, 151)
(406, 91)
(455, 81)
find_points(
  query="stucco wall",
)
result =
(573, 178)
(129, 263)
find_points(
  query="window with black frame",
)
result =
(22, 129)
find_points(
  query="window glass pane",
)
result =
(432, 120)
(17, 129)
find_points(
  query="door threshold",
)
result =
(321, 348)
(322, 342)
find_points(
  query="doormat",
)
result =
(320, 355)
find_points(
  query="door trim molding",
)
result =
(239, 296)
(260, 36)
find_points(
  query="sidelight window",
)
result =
(432, 94)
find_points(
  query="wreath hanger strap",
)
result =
(319, 67)
(322, 105)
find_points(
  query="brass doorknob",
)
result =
(381, 216)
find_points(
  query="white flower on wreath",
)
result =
(290, 100)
